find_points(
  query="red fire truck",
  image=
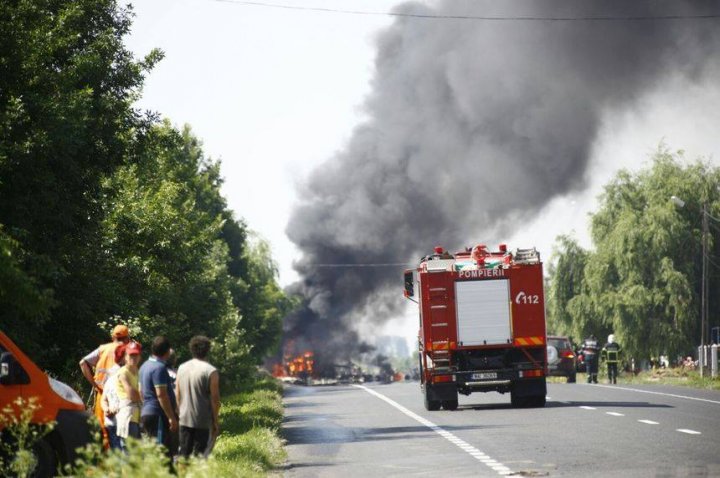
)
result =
(482, 325)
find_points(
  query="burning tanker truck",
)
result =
(482, 325)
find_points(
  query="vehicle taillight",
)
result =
(443, 378)
(569, 355)
(531, 373)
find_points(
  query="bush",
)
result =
(248, 445)
(19, 437)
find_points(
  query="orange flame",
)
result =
(300, 366)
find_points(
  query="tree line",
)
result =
(641, 280)
(109, 214)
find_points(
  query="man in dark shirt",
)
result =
(159, 411)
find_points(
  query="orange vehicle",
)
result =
(482, 325)
(21, 378)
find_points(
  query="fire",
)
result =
(300, 366)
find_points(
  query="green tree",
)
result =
(67, 85)
(108, 215)
(166, 261)
(566, 273)
(642, 281)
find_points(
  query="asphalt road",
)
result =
(584, 430)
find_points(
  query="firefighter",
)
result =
(611, 354)
(591, 348)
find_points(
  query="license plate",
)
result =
(484, 376)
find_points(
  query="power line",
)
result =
(471, 17)
(390, 264)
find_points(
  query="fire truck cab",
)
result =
(482, 325)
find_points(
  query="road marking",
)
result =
(615, 414)
(649, 422)
(463, 445)
(615, 387)
(689, 432)
(585, 407)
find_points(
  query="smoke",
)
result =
(474, 126)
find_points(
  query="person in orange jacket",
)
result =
(95, 367)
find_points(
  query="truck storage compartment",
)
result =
(483, 312)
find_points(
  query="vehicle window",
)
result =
(19, 376)
(557, 343)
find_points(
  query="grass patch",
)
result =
(664, 376)
(674, 376)
(248, 446)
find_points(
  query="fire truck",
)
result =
(482, 325)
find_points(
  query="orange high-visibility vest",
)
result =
(105, 363)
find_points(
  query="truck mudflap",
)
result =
(71, 432)
(529, 393)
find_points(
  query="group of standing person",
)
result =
(610, 353)
(177, 408)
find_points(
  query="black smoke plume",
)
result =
(474, 125)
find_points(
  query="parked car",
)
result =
(561, 358)
(21, 378)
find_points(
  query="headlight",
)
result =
(65, 391)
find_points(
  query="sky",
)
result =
(274, 93)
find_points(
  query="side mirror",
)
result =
(409, 284)
(11, 373)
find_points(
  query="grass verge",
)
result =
(667, 376)
(249, 444)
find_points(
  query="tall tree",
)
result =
(643, 280)
(566, 281)
(67, 85)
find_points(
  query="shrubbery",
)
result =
(248, 445)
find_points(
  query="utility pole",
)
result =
(704, 287)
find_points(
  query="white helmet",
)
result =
(611, 338)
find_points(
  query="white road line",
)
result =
(585, 407)
(463, 445)
(649, 422)
(615, 414)
(689, 432)
(615, 387)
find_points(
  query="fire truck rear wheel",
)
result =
(572, 378)
(431, 405)
(450, 404)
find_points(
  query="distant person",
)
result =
(110, 399)
(171, 363)
(590, 348)
(611, 354)
(128, 391)
(198, 395)
(159, 415)
(94, 367)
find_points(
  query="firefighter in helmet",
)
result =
(611, 354)
(591, 349)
